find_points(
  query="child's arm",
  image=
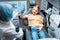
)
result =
(41, 24)
(24, 16)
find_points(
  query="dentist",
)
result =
(7, 29)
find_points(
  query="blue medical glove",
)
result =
(22, 9)
(15, 6)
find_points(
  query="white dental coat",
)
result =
(7, 31)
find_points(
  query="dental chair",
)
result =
(24, 24)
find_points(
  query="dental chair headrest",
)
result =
(5, 12)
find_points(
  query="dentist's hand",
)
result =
(22, 9)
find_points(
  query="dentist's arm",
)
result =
(21, 11)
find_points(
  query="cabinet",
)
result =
(54, 23)
(55, 11)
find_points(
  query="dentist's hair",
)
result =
(5, 12)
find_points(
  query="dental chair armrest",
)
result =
(51, 28)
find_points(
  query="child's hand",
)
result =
(21, 16)
(39, 29)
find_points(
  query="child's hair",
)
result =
(38, 8)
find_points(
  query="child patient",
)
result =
(35, 21)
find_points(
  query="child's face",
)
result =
(35, 10)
